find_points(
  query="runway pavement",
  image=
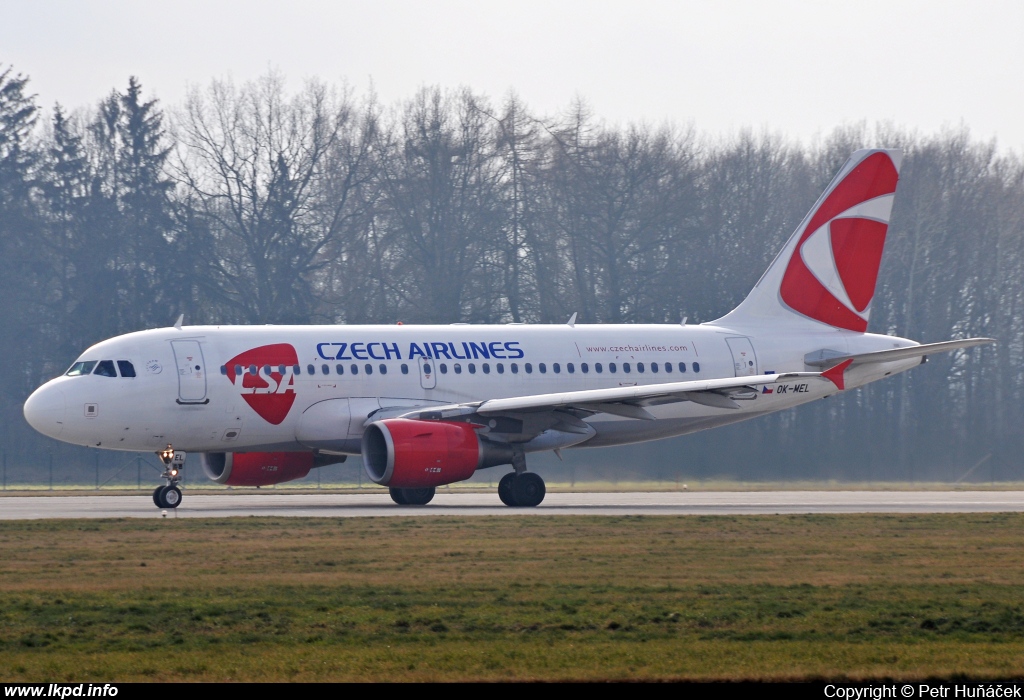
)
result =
(474, 504)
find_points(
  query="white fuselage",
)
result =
(195, 388)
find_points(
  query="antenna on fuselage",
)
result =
(181, 319)
(683, 322)
(572, 320)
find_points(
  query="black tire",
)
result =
(506, 490)
(398, 496)
(529, 490)
(418, 497)
(171, 496)
(157, 499)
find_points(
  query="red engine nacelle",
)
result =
(256, 468)
(418, 453)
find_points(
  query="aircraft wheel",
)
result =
(506, 489)
(156, 496)
(398, 496)
(418, 497)
(171, 496)
(529, 490)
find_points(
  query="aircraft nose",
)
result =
(45, 410)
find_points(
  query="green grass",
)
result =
(759, 597)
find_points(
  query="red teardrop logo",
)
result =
(265, 377)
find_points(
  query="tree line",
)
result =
(255, 204)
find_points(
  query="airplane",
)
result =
(429, 405)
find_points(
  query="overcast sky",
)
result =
(798, 68)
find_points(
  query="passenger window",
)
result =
(487, 368)
(556, 368)
(323, 368)
(405, 368)
(80, 368)
(296, 370)
(339, 368)
(266, 370)
(625, 367)
(682, 367)
(354, 369)
(640, 367)
(310, 369)
(585, 367)
(223, 370)
(696, 367)
(105, 368)
(654, 367)
(611, 367)
(472, 368)
(443, 367)
(501, 368)
(252, 369)
(529, 368)
(368, 367)
(515, 368)
(127, 369)
(458, 368)
(668, 367)
(543, 368)
(570, 368)
(383, 368)
(598, 368)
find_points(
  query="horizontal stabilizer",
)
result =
(825, 358)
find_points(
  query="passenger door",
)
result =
(744, 361)
(188, 357)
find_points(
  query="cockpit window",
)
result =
(80, 368)
(105, 368)
(126, 368)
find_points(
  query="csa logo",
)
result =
(831, 276)
(270, 395)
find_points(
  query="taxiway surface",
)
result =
(474, 504)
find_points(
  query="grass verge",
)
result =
(509, 598)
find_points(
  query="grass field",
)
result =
(513, 598)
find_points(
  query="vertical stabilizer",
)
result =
(827, 270)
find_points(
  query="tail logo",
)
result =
(832, 272)
(266, 380)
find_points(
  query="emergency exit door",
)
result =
(428, 373)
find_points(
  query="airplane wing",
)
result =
(626, 401)
(824, 358)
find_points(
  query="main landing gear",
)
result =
(412, 497)
(521, 489)
(169, 495)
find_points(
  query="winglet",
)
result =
(835, 374)
(181, 319)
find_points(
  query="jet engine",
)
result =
(403, 453)
(256, 468)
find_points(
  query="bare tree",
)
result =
(272, 179)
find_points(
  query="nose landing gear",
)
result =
(169, 495)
